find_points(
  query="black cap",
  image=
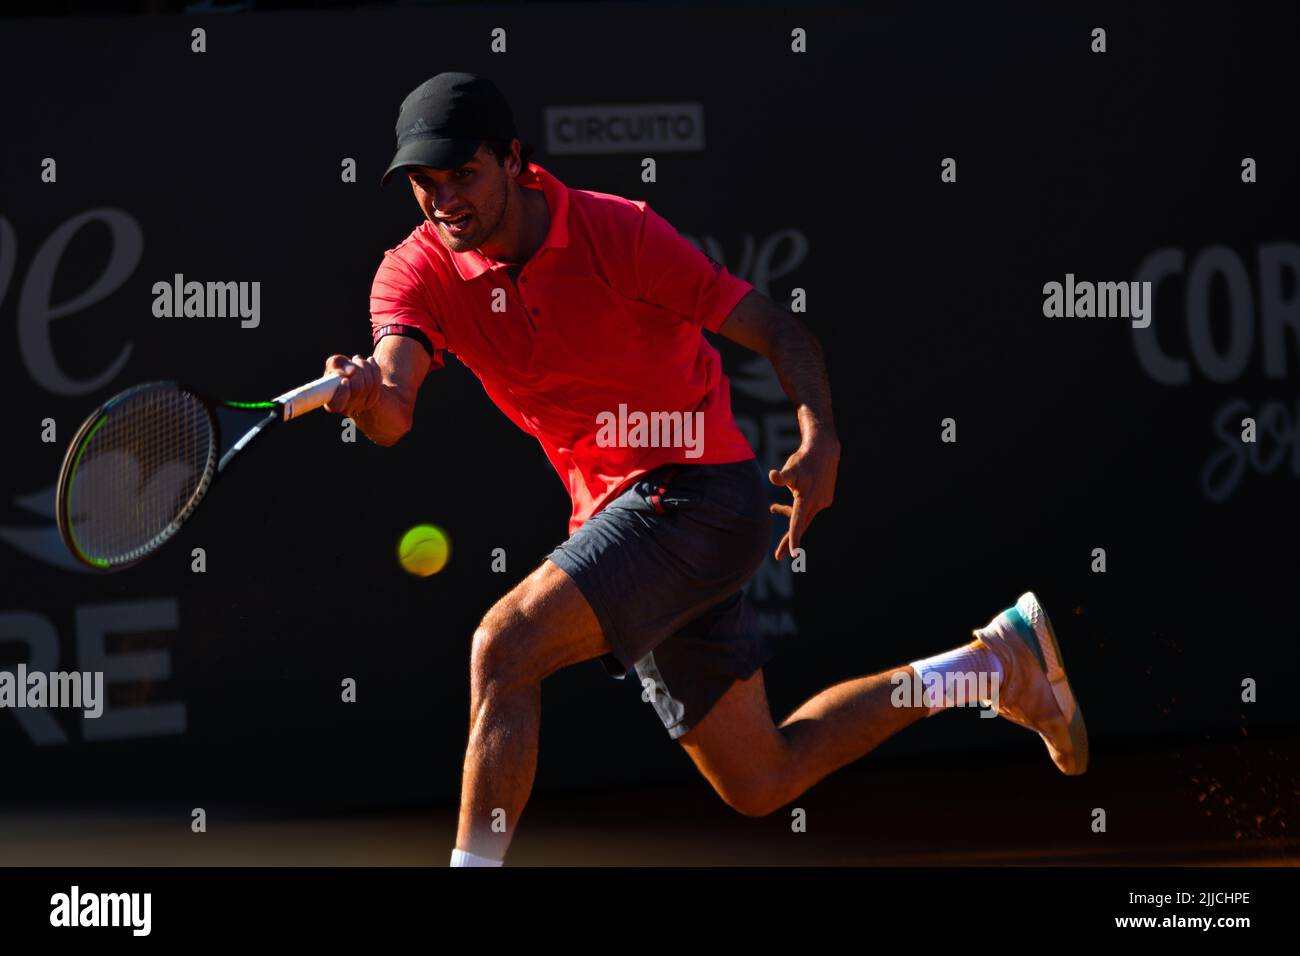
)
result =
(443, 120)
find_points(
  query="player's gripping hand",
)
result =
(360, 389)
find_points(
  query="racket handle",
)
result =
(309, 397)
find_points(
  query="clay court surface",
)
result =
(1211, 804)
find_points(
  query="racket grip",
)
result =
(309, 397)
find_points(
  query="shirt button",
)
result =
(523, 278)
(535, 310)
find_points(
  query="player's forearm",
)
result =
(378, 392)
(388, 419)
(800, 366)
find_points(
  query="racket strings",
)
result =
(140, 470)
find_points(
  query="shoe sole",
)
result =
(1034, 623)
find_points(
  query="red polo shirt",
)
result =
(605, 322)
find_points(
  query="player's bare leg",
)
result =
(758, 766)
(542, 625)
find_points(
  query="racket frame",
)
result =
(63, 488)
(291, 404)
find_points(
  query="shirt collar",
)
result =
(472, 264)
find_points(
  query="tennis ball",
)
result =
(424, 550)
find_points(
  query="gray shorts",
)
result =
(662, 566)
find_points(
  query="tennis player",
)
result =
(578, 310)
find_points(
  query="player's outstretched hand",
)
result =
(359, 390)
(810, 475)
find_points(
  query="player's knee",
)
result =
(500, 655)
(753, 797)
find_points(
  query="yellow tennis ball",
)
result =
(424, 550)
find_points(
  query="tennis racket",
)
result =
(139, 466)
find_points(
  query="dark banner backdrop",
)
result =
(817, 171)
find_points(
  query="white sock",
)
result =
(463, 858)
(968, 659)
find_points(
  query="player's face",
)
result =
(467, 204)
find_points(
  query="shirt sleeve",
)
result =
(672, 273)
(399, 306)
